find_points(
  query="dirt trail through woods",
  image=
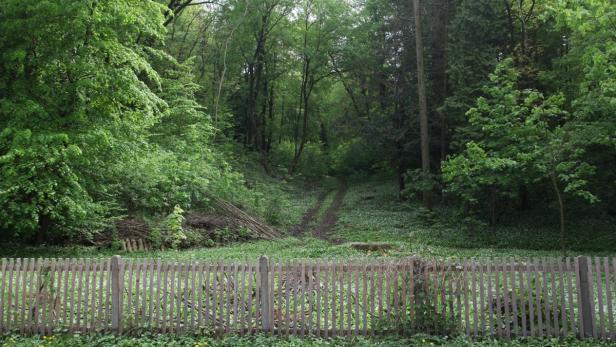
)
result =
(328, 220)
(331, 216)
(302, 227)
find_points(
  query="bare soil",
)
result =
(331, 216)
(302, 227)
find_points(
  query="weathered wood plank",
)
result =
(349, 302)
(599, 278)
(612, 328)
(364, 300)
(562, 303)
(522, 285)
(514, 300)
(208, 295)
(326, 277)
(475, 306)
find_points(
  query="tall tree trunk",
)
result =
(561, 209)
(304, 98)
(423, 104)
(444, 81)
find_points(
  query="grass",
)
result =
(151, 340)
(372, 213)
(279, 202)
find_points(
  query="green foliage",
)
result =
(169, 232)
(97, 120)
(418, 181)
(159, 340)
(522, 138)
(466, 175)
(39, 186)
(314, 163)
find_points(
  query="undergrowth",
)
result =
(153, 340)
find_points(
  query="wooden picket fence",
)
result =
(477, 297)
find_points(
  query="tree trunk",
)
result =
(444, 81)
(561, 209)
(305, 91)
(423, 105)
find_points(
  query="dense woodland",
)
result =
(112, 108)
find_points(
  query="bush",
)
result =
(41, 191)
(170, 232)
(354, 156)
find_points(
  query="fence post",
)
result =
(266, 318)
(586, 297)
(116, 294)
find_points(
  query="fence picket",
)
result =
(220, 278)
(380, 293)
(342, 301)
(608, 296)
(95, 267)
(13, 266)
(208, 291)
(364, 275)
(86, 294)
(349, 299)
(555, 303)
(166, 303)
(524, 322)
(490, 301)
(3, 272)
(599, 280)
(450, 318)
(503, 297)
(474, 286)
(612, 328)
(531, 305)
(569, 270)
(147, 283)
(24, 277)
(242, 298)
(514, 300)
(506, 318)
(326, 276)
(317, 278)
(563, 305)
(198, 299)
(309, 284)
(31, 298)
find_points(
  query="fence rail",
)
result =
(476, 297)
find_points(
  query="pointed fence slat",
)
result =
(599, 278)
(548, 297)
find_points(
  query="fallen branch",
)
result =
(258, 228)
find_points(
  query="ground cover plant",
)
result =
(262, 340)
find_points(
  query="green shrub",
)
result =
(170, 231)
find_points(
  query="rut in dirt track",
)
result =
(331, 216)
(302, 227)
(329, 219)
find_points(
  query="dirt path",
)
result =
(302, 227)
(328, 220)
(331, 216)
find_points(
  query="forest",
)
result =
(225, 129)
